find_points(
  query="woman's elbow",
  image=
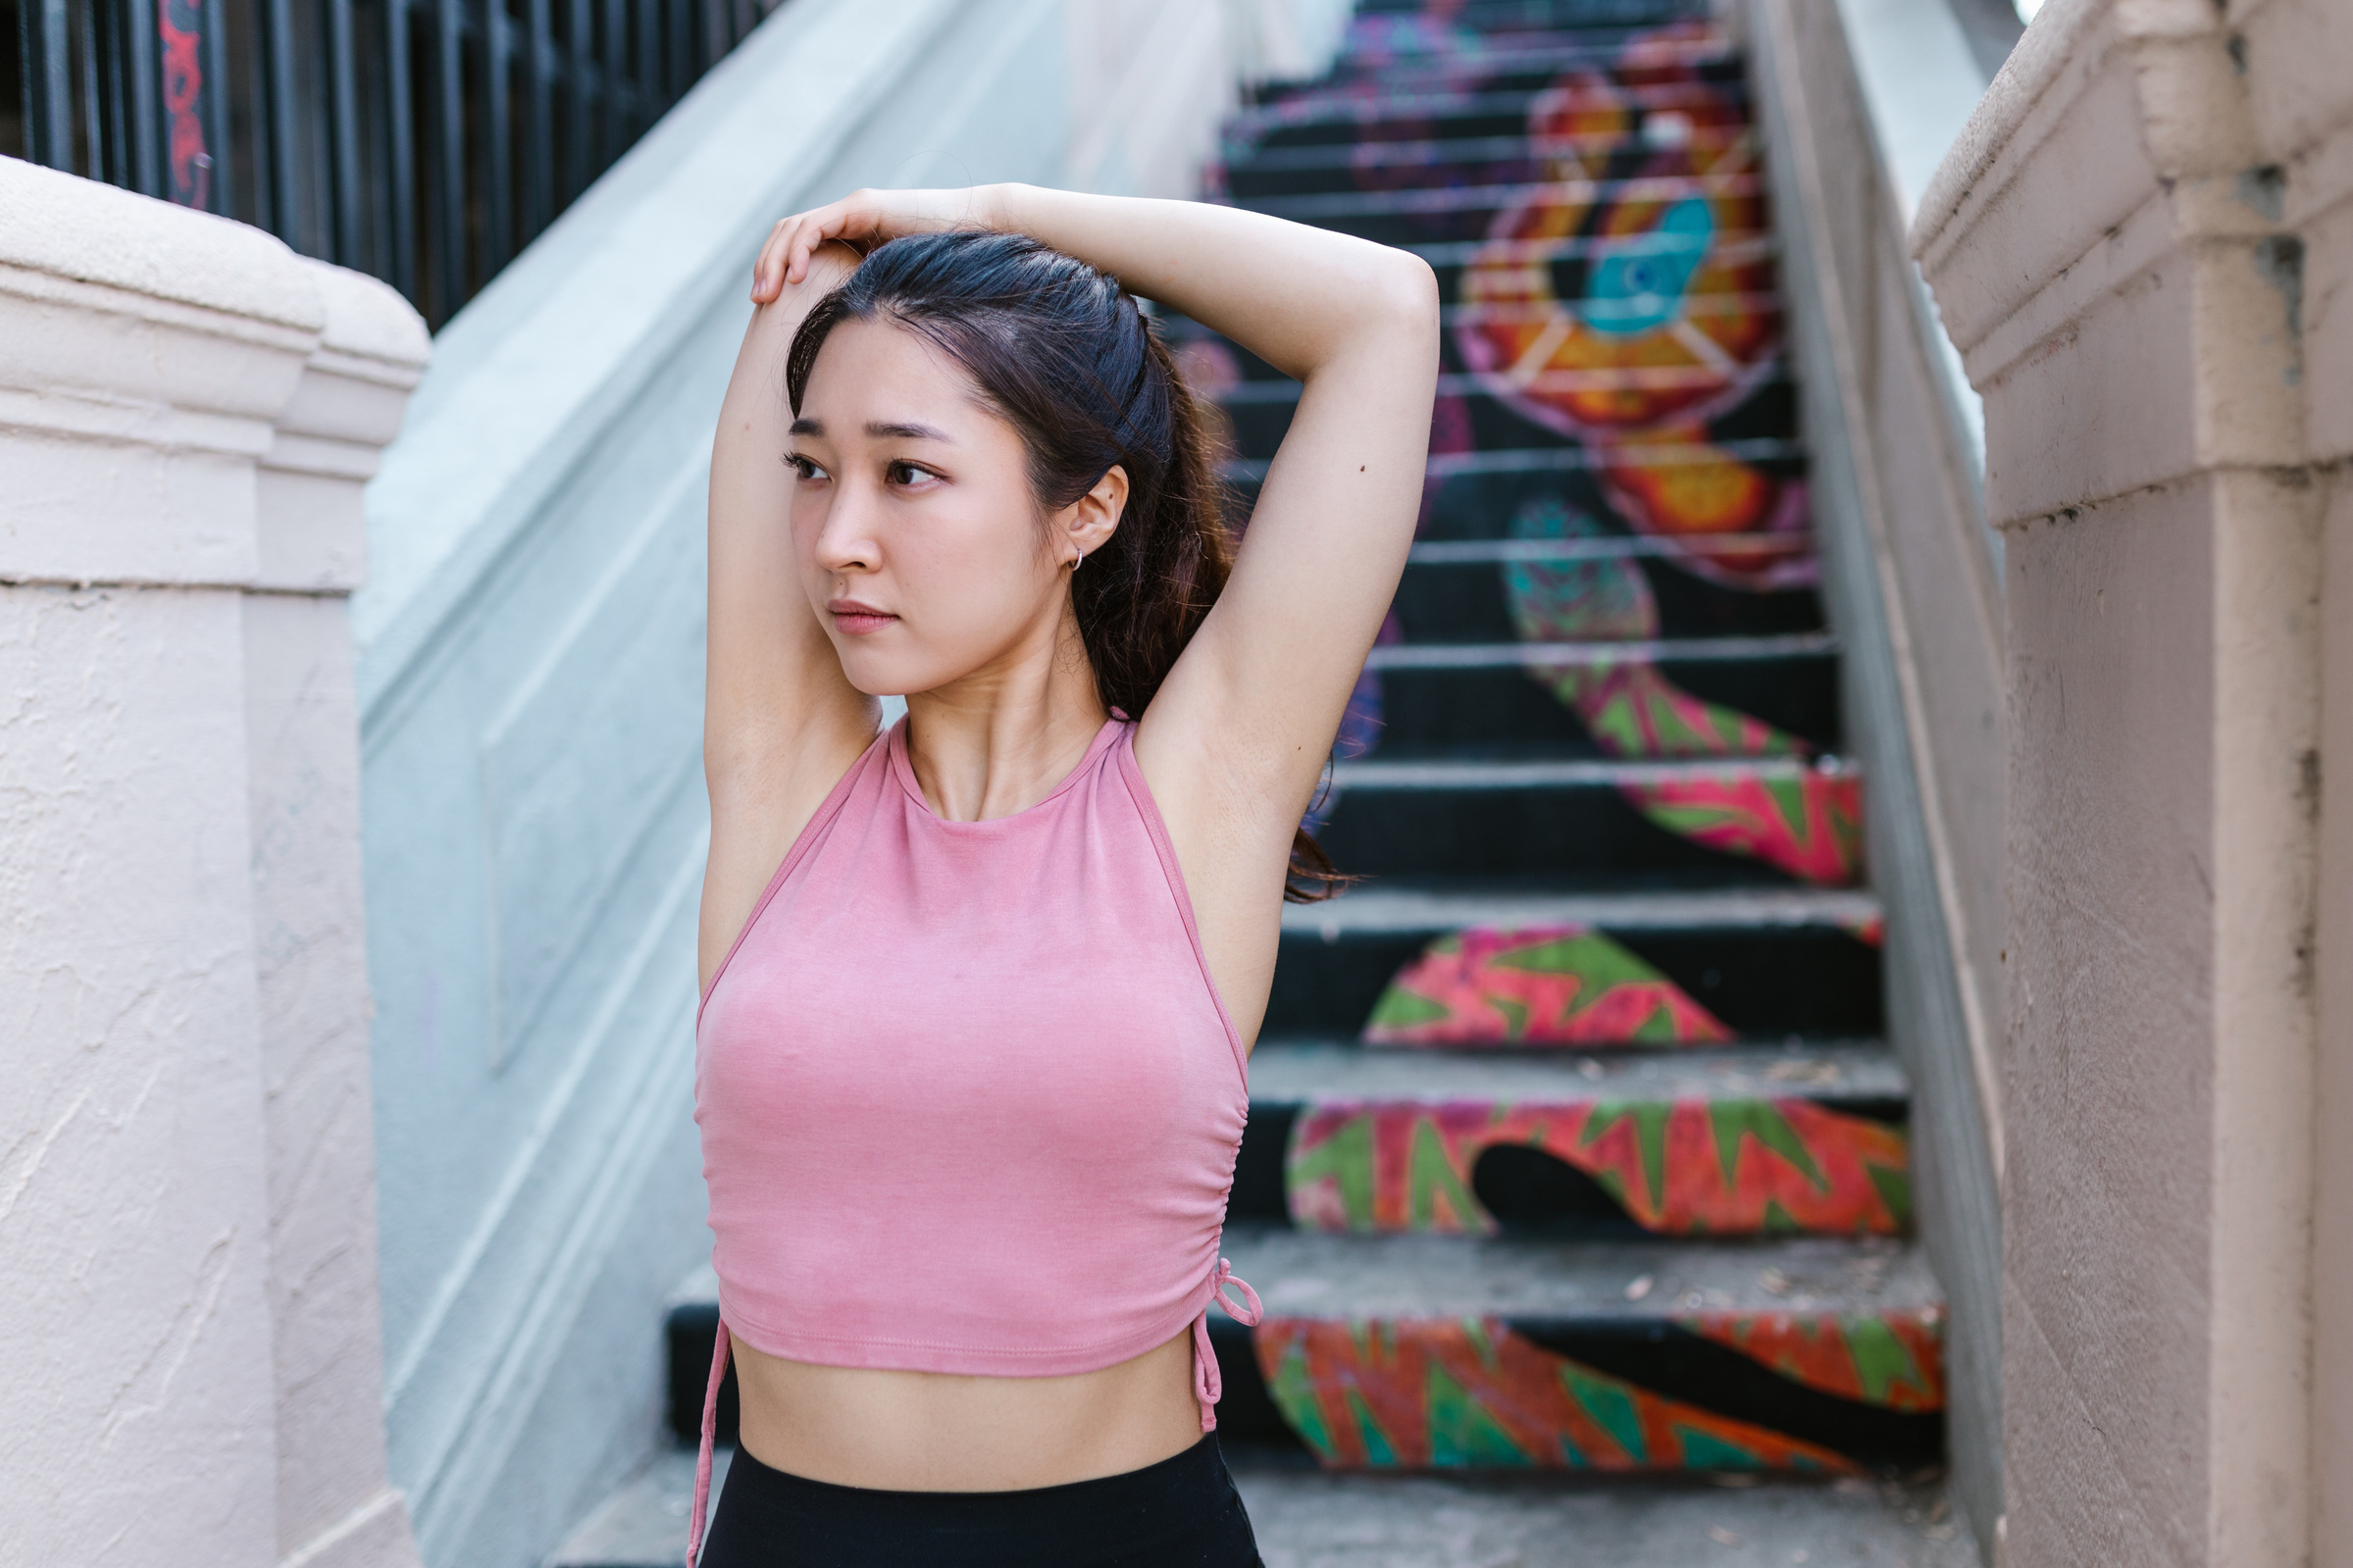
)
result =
(1410, 290)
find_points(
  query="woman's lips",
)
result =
(856, 619)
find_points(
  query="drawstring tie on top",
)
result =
(702, 1463)
(1208, 1386)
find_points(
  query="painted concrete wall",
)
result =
(187, 412)
(531, 687)
(1859, 97)
(2141, 247)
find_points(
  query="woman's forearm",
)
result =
(1300, 298)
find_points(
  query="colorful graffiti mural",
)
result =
(1808, 823)
(1545, 985)
(1684, 1167)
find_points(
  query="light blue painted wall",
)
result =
(530, 665)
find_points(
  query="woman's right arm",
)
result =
(781, 725)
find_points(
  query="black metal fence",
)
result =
(425, 141)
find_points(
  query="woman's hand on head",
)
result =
(864, 220)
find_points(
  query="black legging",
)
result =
(1182, 1511)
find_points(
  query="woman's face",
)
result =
(918, 539)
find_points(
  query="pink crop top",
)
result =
(969, 1100)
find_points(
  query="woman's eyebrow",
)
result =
(806, 426)
(883, 432)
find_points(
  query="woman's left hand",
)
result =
(864, 219)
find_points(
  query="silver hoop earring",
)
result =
(1076, 559)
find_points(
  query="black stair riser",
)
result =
(689, 1333)
(1763, 983)
(1561, 838)
(1481, 506)
(1257, 373)
(1487, 15)
(1495, 427)
(1466, 603)
(1433, 712)
(1432, 108)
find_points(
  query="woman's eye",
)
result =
(804, 468)
(905, 474)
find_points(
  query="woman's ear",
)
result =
(1088, 522)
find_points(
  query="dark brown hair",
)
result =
(1067, 358)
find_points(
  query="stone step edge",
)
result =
(1369, 1276)
(1416, 778)
(1403, 911)
(1568, 457)
(1302, 1072)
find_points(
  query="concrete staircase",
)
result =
(1577, 1183)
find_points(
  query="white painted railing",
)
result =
(1860, 98)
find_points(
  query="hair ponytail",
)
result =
(1067, 357)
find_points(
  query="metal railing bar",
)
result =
(538, 145)
(401, 135)
(212, 95)
(284, 175)
(93, 131)
(498, 217)
(147, 101)
(342, 110)
(615, 129)
(577, 147)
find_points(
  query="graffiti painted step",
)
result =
(1557, 823)
(1323, 115)
(1399, 56)
(1411, 218)
(1450, 707)
(1708, 1142)
(1302, 168)
(1452, 594)
(1575, 458)
(1421, 1353)
(1755, 964)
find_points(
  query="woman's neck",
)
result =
(999, 740)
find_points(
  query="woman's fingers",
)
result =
(862, 219)
(768, 272)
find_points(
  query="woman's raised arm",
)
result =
(780, 723)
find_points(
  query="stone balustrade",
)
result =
(2141, 246)
(189, 411)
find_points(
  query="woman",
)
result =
(979, 990)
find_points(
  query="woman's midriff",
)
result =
(943, 1432)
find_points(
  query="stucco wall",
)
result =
(2138, 246)
(186, 413)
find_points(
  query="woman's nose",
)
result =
(845, 541)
